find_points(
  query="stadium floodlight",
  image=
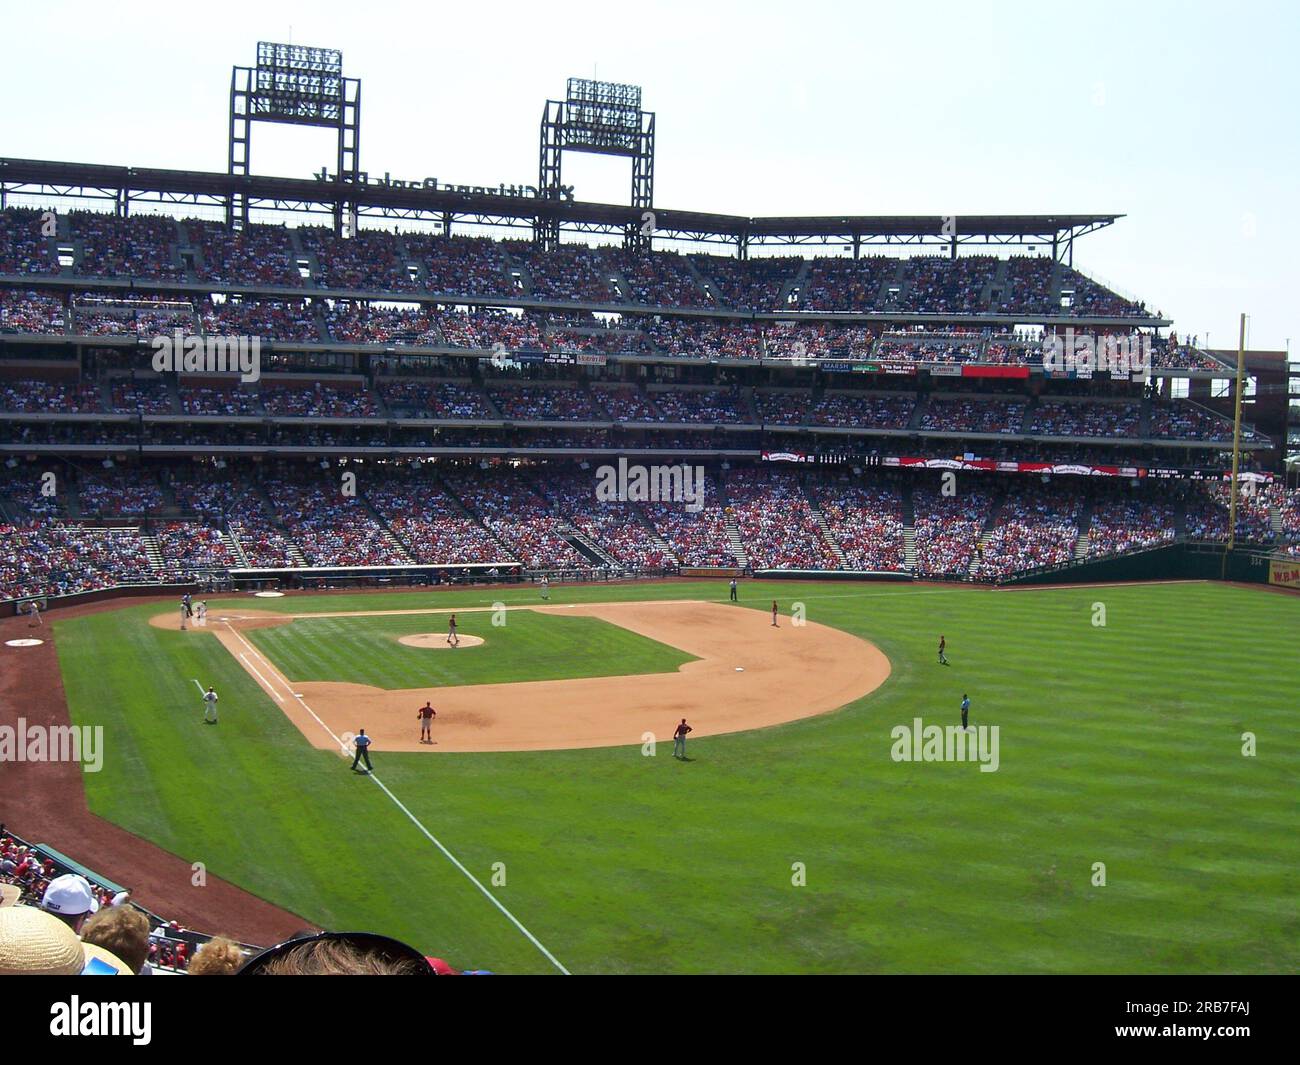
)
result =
(604, 118)
(297, 85)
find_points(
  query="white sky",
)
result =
(1180, 115)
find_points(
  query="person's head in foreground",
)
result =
(36, 943)
(121, 930)
(71, 899)
(219, 956)
(339, 954)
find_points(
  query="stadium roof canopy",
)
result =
(519, 207)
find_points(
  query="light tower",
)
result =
(602, 118)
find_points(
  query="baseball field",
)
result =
(1140, 818)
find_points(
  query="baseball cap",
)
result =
(69, 895)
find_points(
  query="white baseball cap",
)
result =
(69, 895)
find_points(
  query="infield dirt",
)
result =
(747, 674)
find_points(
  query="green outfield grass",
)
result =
(1119, 745)
(524, 646)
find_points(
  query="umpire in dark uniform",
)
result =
(361, 742)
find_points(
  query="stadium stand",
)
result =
(677, 362)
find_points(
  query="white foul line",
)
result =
(473, 879)
(398, 803)
(267, 683)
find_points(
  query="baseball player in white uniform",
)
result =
(210, 706)
(201, 614)
(546, 588)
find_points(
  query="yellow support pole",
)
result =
(1236, 444)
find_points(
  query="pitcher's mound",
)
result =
(437, 641)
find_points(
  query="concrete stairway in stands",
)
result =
(734, 540)
(990, 523)
(1085, 539)
(651, 533)
(909, 530)
(236, 548)
(799, 282)
(735, 543)
(291, 545)
(586, 546)
(152, 550)
(698, 277)
(1180, 519)
(391, 538)
(909, 548)
(825, 529)
(1144, 419)
(918, 412)
(458, 505)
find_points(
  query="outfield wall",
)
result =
(1174, 562)
(832, 575)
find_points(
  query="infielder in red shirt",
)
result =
(426, 714)
(679, 740)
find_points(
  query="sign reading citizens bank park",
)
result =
(432, 185)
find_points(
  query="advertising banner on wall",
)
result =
(1284, 572)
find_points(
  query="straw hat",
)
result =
(36, 943)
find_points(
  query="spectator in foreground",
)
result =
(71, 899)
(34, 942)
(123, 931)
(339, 954)
(219, 956)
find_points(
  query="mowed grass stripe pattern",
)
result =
(1119, 744)
(252, 803)
(525, 646)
